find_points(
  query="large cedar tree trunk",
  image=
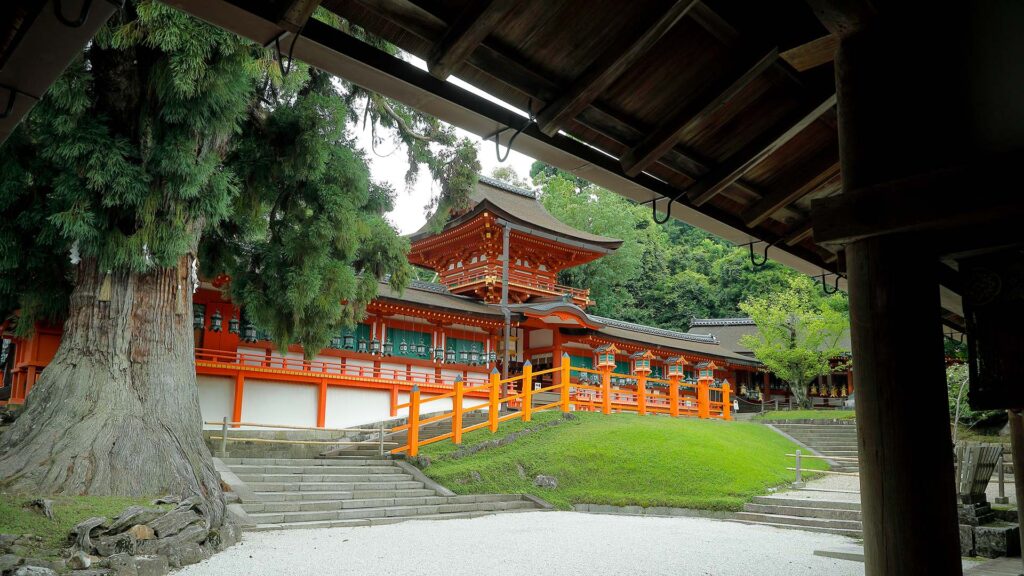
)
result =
(117, 410)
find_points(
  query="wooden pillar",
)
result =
(394, 400)
(1017, 452)
(321, 405)
(641, 393)
(891, 92)
(704, 397)
(606, 390)
(494, 406)
(565, 381)
(236, 411)
(457, 409)
(527, 395)
(726, 402)
(673, 396)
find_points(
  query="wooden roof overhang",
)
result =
(724, 107)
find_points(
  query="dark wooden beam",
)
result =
(801, 233)
(476, 21)
(812, 54)
(760, 148)
(718, 93)
(296, 13)
(614, 61)
(842, 17)
(796, 184)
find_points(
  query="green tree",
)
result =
(508, 175)
(799, 333)
(169, 139)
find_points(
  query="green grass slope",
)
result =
(808, 415)
(624, 459)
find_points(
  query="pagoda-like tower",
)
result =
(466, 253)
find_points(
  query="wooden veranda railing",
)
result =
(702, 399)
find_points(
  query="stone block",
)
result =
(134, 515)
(34, 571)
(994, 541)
(122, 565)
(141, 532)
(151, 565)
(174, 521)
(123, 543)
(966, 540)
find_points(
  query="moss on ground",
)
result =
(624, 459)
(17, 518)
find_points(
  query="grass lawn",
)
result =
(15, 518)
(807, 415)
(624, 459)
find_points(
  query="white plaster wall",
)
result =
(253, 351)
(332, 364)
(216, 398)
(267, 402)
(398, 368)
(541, 338)
(449, 376)
(367, 365)
(438, 406)
(347, 407)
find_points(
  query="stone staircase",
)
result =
(833, 517)
(353, 490)
(829, 438)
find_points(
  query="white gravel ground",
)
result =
(548, 543)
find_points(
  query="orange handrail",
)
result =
(694, 401)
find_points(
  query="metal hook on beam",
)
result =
(12, 93)
(668, 210)
(83, 15)
(764, 255)
(835, 284)
(531, 119)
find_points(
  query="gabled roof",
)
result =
(728, 332)
(522, 208)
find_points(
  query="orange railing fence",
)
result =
(703, 399)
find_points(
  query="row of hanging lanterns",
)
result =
(246, 333)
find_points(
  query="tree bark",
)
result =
(117, 410)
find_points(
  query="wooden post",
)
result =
(704, 397)
(414, 421)
(494, 406)
(566, 381)
(673, 396)
(799, 482)
(726, 402)
(457, 412)
(380, 441)
(394, 400)
(321, 406)
(1017, 451)
(641, 393)
(606, 390)
(236, 412)
(527, 397)
(224, 439)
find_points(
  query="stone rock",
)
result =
(55, 565)
(966, 540)
(83, 531)
(232, 498)
(186, 554)
(123, 543)
(6, 541)
(133, 515)
(148, 547)
(169, 499)
(122, 565)
(34, 571)
(224, 537)
(92, 572)
(9, 561)
(79, 561)
(141, 532)
(151, 565)
(994, 541)
(475, 476)
(174, 521)
(545, 481)
(521, 471)
(192, 534)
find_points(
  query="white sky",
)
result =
(409, 214)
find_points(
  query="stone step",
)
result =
(800, 521)
(346, 461)
(330, 486)
(331, 477)
(323, 505)
(840, 453)
(808, 512)
(353, 495)
(339, 468)
(803, 502)
(378, 521)
(384, 512)
(785, 526)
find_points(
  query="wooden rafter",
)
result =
(760, 148)
(473, 24)
(798, 235)
(800, 182)
(812, 54)
(610, 65)
(665, 136)
(295, 15)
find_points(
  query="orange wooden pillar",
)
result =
(566, 382)
(726, 402)
(606, 390)
(236, 410)
(673, 396)
(414, 421)
(321, 405)
(394, 400)
(704, 397)
(494, 404)
(527, 396)
(457, 412)
(641, 393)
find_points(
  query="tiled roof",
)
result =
(507, 187)
(688, 336)
(721, 322)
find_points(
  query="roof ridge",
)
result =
(502, 185)
(735, 321)
(689, 336)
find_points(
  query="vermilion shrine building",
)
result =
(433, 333)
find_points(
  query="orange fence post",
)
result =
(527, 397)
(704, 397)
(673, 396)
(414, 421)
(457, 412)
(566, 380)
(394, 400)
(494, 404)
(641, 394)
(726, 405)
(606, 391)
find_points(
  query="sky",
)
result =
(387, 166)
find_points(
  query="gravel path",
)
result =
(548, 543)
